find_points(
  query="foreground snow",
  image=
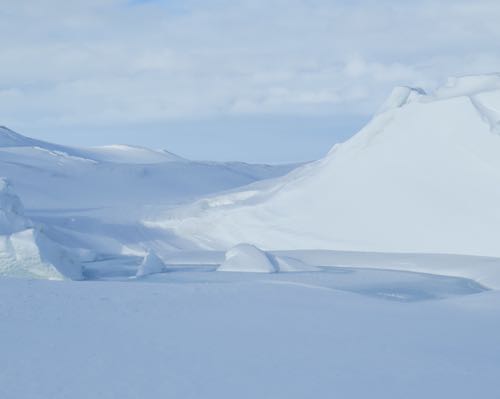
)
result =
(245, 335)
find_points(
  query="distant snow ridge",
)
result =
(9, 138)
(422, 176)
(248, 258)
(25, 251)
(151, 264)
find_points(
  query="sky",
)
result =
(252, 80)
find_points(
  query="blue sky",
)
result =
(254, 80)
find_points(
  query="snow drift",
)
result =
(25, 251)
(422, 176)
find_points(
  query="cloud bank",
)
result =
(110, 62)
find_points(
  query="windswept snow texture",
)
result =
(280, 339)
(423, 177)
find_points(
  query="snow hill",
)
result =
(92, 200)
(422, 176)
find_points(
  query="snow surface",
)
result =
(244, 338)
(422, 177)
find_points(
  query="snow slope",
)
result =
(423, 176)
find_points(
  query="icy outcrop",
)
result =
(151, 264)
(25, 251)
(249, 258)
(12, 217)
(30, 254)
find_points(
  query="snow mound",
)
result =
(422, 177)
(151, 264)
(249, 258)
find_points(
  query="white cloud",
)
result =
(105, 62)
